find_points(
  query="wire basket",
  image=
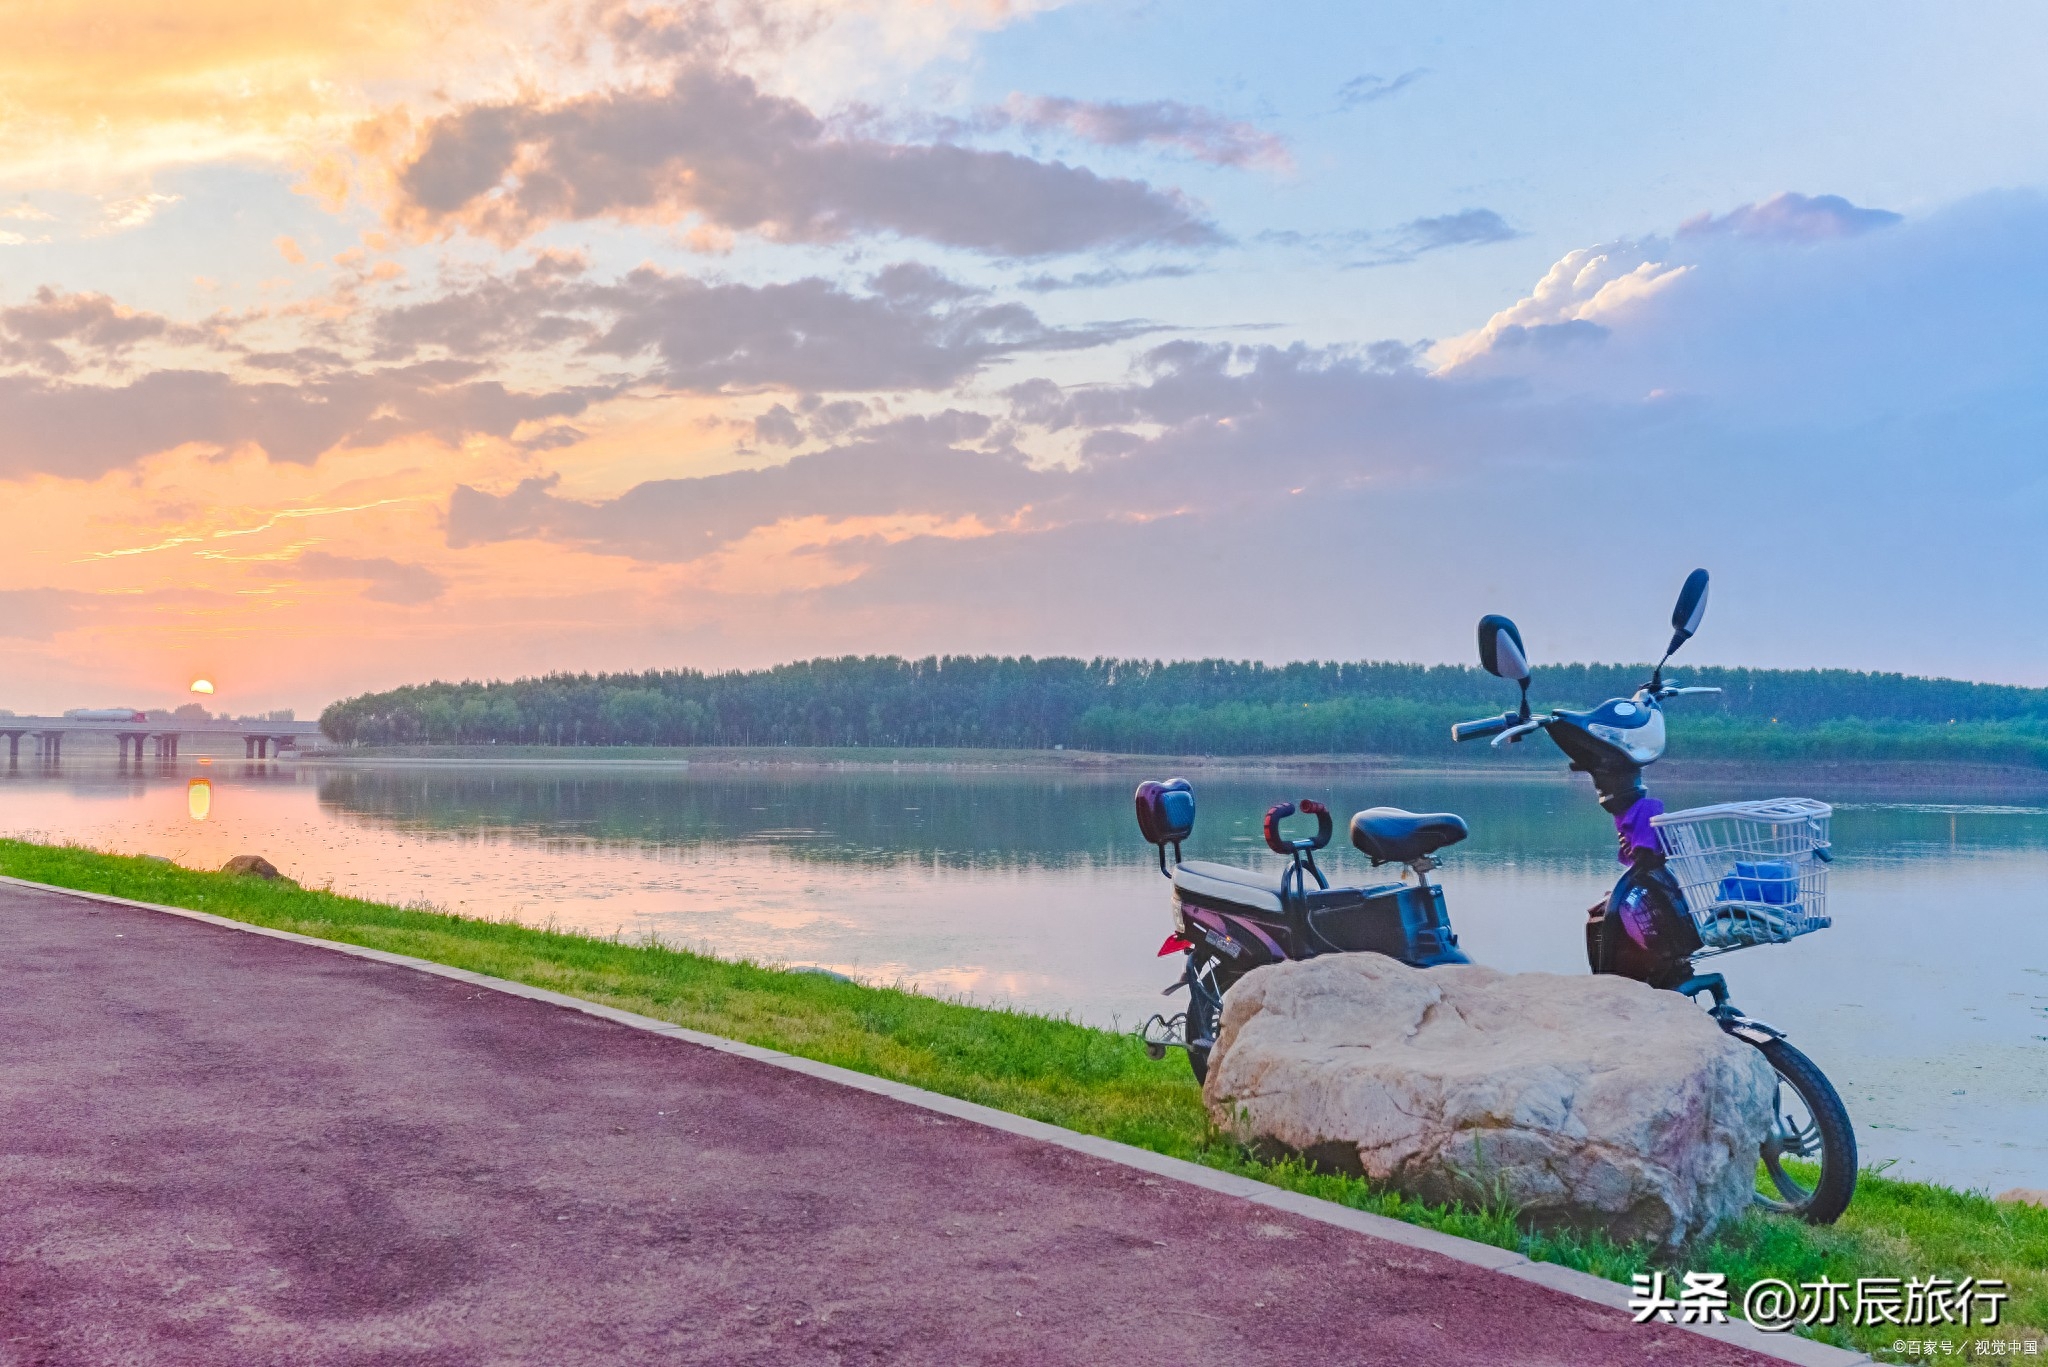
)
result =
(1754, 873)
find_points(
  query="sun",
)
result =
(202, 686)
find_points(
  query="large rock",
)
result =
(1590, 1102)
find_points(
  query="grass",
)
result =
(1089, 1080)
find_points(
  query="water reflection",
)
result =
(1928, 1001)
(982, 820)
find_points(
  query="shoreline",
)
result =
(1945, 777)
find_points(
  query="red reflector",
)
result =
(1175, 944)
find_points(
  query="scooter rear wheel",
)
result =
(1205, 1015)
(1809, 1126)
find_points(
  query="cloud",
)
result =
(1930, 311)
(1862, 420)
(813, 419)
(911, 467)
(1102, 279)
(72, 405)
(778, 427)
(1368, 89)
(811, 334)
(43, 333)
(1217, 411)
(101, 93)
(1362, 248)
(81, 431)
(911, 328)
(1472, 227)
(1790, 217)
(1584, 286)
(132, 211)
(389, 581)
(711, 145)
(109, 91)
(1200, 133)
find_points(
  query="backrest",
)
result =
(1166, 811)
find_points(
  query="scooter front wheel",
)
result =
(1807, 1166)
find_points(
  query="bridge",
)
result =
(259, 738)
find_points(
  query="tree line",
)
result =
(1184, 707)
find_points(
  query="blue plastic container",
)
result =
(1772, 883)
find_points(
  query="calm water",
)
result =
(1927, 1002)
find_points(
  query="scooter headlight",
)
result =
(1642, 743)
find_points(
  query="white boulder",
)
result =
(1594, 1103)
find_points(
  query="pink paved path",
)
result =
(222, 1149)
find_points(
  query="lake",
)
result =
(1927, 1002)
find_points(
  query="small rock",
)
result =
(2025, 1196)
(253, 865)
(155, 859)
(816, 971)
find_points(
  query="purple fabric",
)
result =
(1635, 829)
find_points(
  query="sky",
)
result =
(349, 346)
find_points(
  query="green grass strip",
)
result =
(1089, 1080)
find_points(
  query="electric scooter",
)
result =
(1701, 882)
(1698, 883)
(1230, 920)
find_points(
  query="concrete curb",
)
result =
(1584, 1286)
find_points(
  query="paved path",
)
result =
(221, 1149)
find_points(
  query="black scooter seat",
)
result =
(1388, 835)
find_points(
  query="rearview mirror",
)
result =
(1500, 649)
(1692, 606)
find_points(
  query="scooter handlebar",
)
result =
(1482, 728)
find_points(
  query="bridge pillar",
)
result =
(14, 747)
(263, 747)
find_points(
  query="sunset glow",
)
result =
(357, 345)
